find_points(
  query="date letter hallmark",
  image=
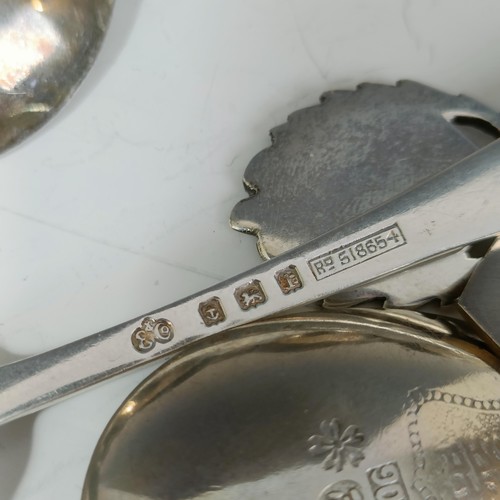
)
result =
(150, 332)
(211, 311)
(340, 447)
(250, 295)
(357, 252)
(386, 482)
(289, 280)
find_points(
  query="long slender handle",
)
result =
(457, 207)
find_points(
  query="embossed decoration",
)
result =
(342, 490)
(386, 482)
(472, 464)
(211, 311)
(289, 280)
(150, 332)
(339, 447)
(250, 295)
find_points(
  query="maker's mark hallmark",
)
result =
(250, 295)
(150, 332)
(211, 311)
(340, 447)
(289, 280)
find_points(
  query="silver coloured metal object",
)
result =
(355, 151)
(347, 405)
(480, 299)
(46, 47)
(439, 278)
(441, 216)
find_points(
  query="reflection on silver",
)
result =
(46, 48)
(397, 406)
(29, 39)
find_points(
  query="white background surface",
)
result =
(121, 204)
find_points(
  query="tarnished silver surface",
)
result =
(317, 406)
(441, 216)
(46, 48)
(481, 298)
(353, 152)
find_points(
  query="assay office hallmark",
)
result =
(250, 295)
(211, 311)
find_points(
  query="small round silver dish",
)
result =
(354, 404)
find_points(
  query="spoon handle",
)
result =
(459, 206)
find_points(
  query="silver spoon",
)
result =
(327, 406)
(46, 49)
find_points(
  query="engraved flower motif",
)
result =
(339, 447)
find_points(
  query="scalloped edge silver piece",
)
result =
(356, 150)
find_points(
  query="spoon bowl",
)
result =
(47, 48)
(353, 404)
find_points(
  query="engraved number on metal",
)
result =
(289, 280)
(150, 332)
(357, 252)
(250, 295)
(211, 311)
